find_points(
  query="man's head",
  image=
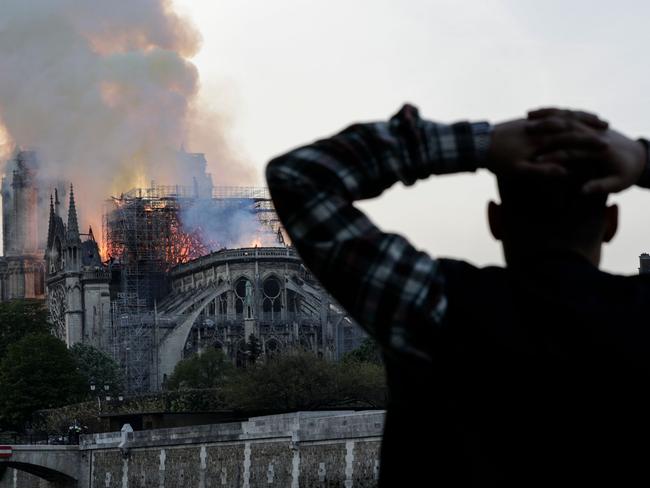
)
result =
(539, 214)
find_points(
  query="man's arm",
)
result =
(644, 179)
(394, 291)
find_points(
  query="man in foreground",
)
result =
(529, 375)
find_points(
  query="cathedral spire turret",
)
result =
(56, 201)
(73, 225)
(50, 222)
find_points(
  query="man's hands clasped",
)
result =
(551, 143)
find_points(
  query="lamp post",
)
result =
(115, 401)
(93, 389)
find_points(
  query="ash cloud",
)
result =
(105, 92)
(227, 226)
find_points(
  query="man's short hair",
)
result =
(551, 211)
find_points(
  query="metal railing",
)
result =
(38, 438)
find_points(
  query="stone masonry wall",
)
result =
(253, 464)
(14, 478)
(305, 449)
(309, 449)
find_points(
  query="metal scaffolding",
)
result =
(144, 237)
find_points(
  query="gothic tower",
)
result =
(74, 311)
(77, 281)
(21, 266)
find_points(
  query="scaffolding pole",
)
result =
(144, 237)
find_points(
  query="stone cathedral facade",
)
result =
(21, 265)
(77, 282)
(149, 315)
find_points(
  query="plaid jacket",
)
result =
(394, 291)
(511, 377)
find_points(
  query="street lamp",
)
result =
(115, 401)
(93, 389)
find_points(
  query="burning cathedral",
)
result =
(179, 269)
(21, 265)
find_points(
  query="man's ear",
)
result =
(495, 219)
(611, 222)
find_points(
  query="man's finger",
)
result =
(591, 120)
(573, 140)
(548, 169)
(544, 112)
(548, 125)
(588, 118)
(609, 184)
(563, 155)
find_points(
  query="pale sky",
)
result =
(289, 71)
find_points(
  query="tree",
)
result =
(300, 380)
(19, 318)
(209, 369)
(253, 349)
(363, 382)
(37, 372)
(97, 367)
(366, 352)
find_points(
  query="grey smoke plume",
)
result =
(231, 226)
(104, 91)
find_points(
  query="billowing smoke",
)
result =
(105, 92)
(227, 226)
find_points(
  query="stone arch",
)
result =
(44, 472)
(170, 350)
(59, 465)
(272, 346)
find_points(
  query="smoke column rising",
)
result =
(104, 91)
(232, 226)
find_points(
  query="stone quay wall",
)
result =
(304, 449)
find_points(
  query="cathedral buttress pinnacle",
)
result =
(73, 225)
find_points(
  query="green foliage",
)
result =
(368, 351)
(37, 372)
(58, 419)
(300, 380)
(19, 318)
(96, 366)
(364, 383)
(253, 349)
(202, 400)
(207, 370)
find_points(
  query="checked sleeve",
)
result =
(392, 290)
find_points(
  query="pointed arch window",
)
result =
(272, 301)
(244, 298)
